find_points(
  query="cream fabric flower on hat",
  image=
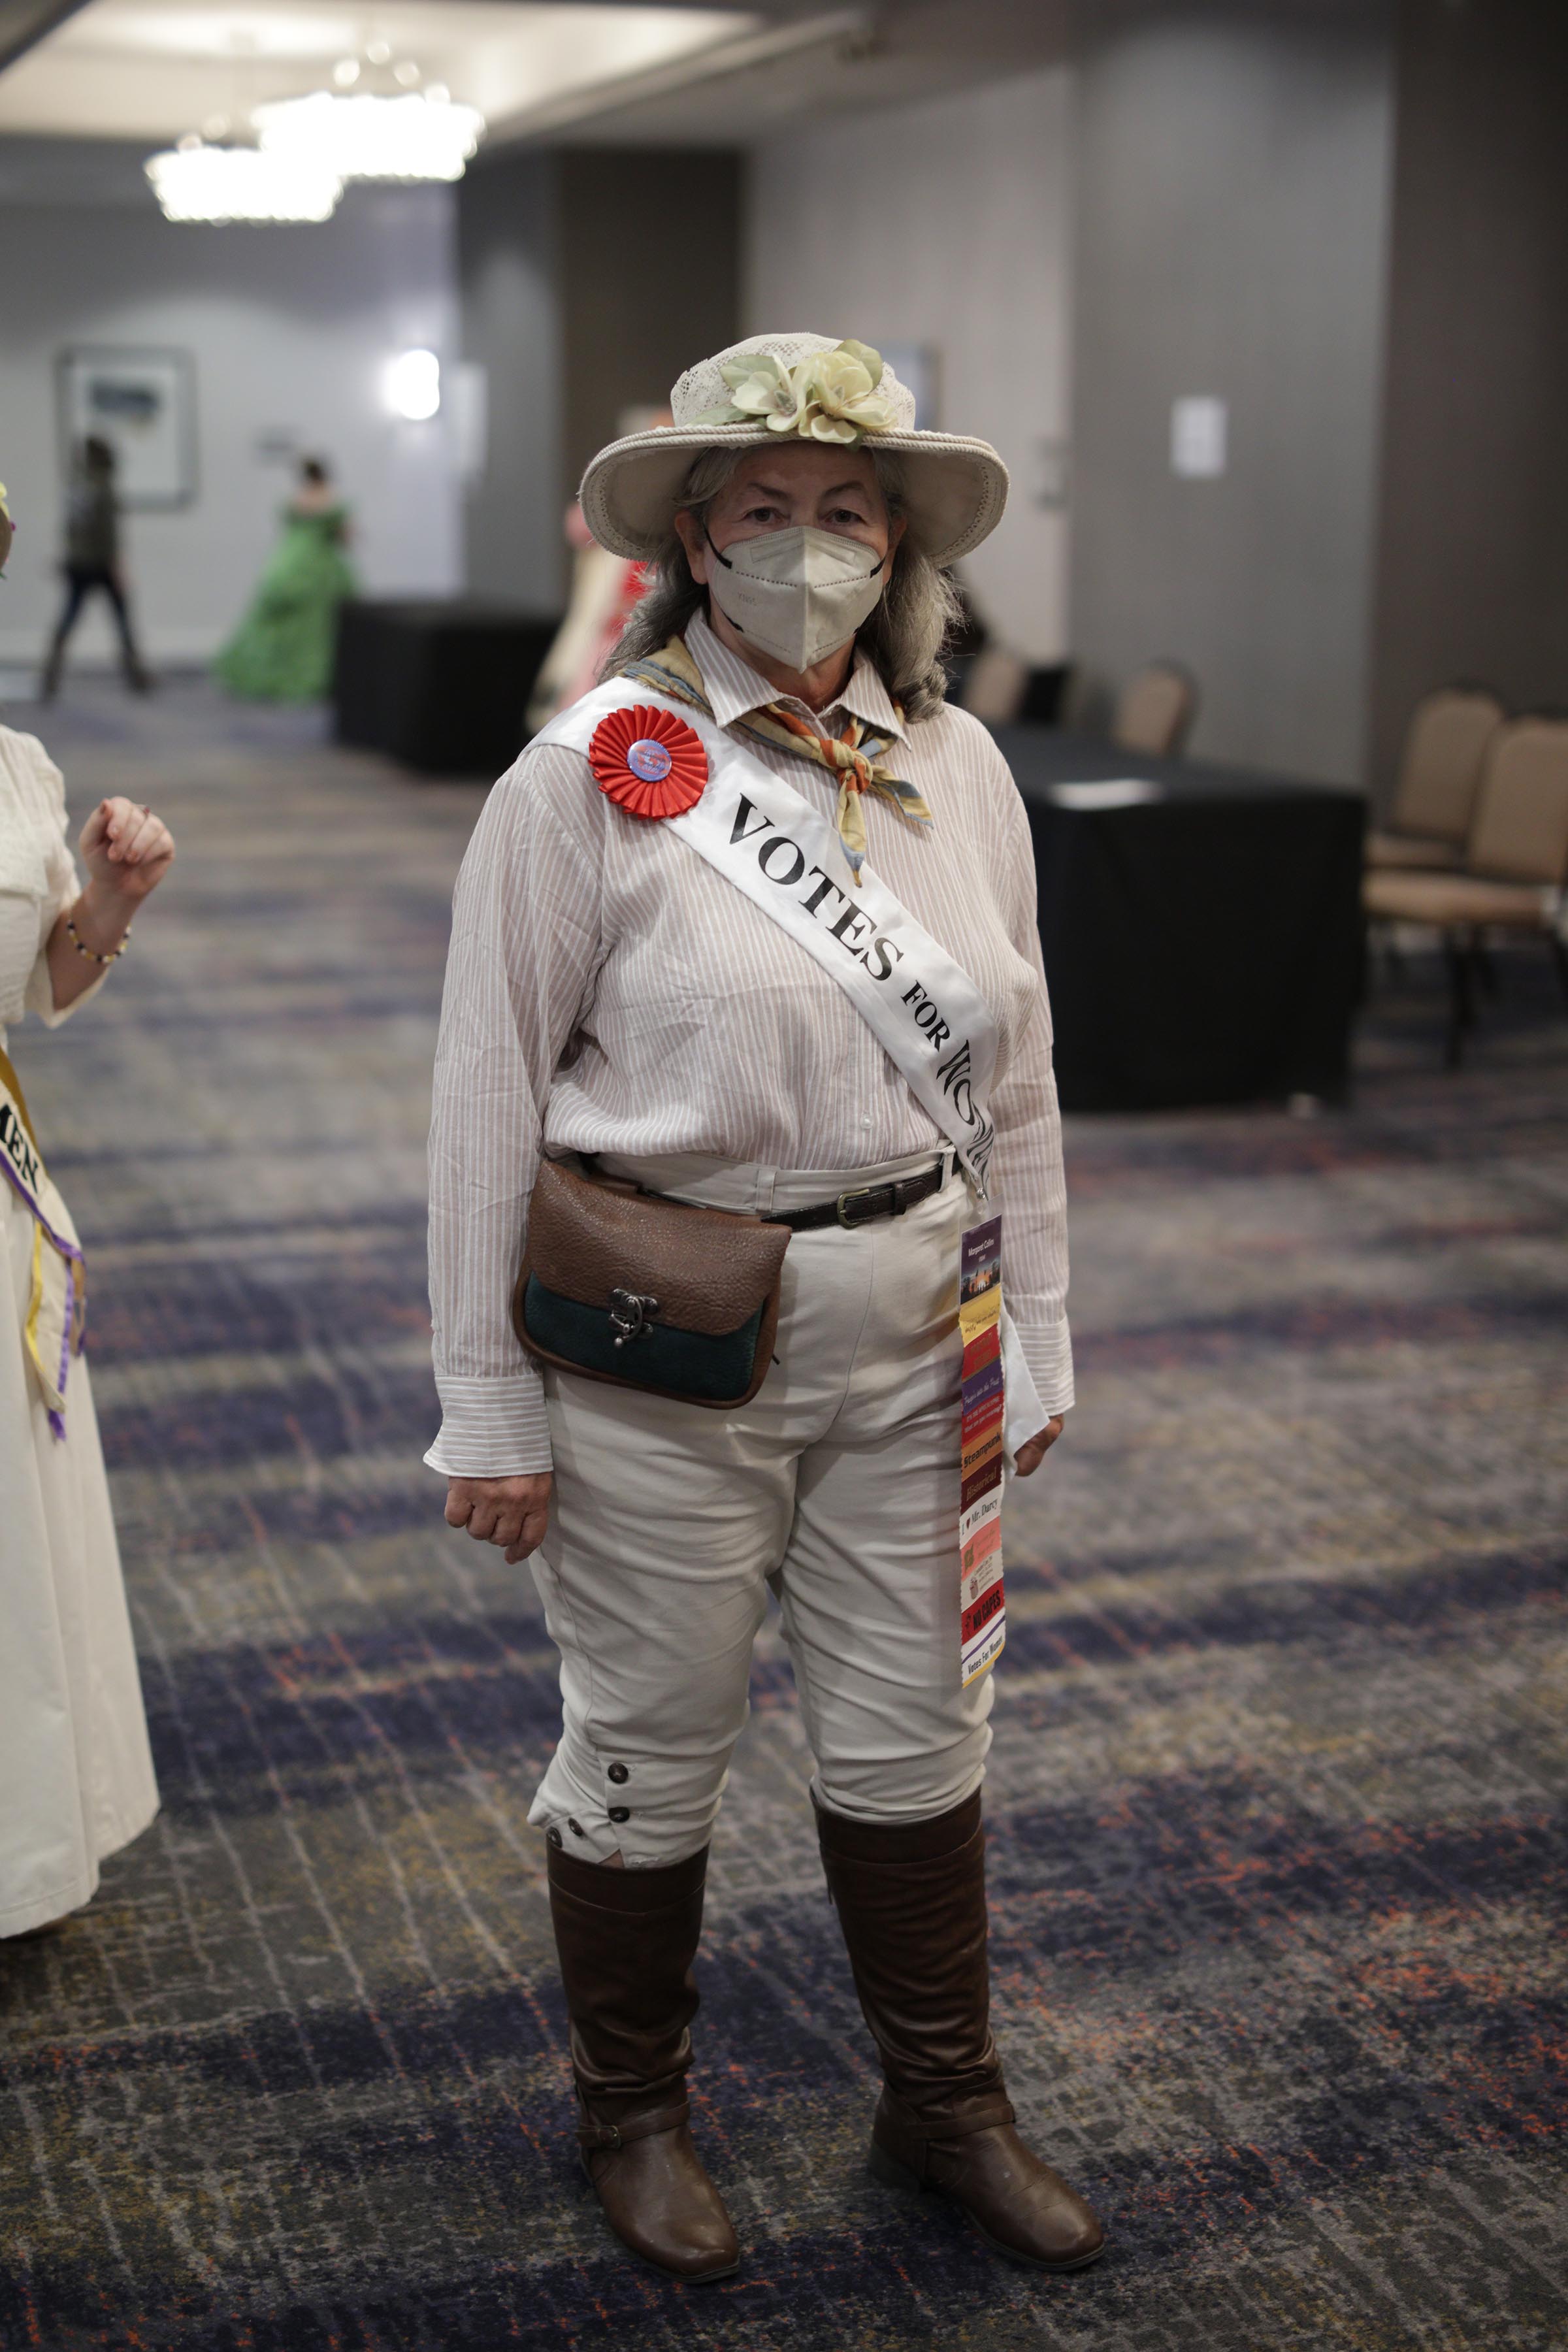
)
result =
(827, 396)
(760, 389)
(839, 394)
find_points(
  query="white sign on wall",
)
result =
(1199, 425)
(470, 418)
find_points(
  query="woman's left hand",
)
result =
(1030, 1456)
(126, 849)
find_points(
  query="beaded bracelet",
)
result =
(91, 953)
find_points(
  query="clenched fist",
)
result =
(127, 852)
(1033, 1452)
(512, 1512)
(126, 849)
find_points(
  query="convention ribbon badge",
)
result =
(981, 1600)
(923, 1009)
(56, 1307)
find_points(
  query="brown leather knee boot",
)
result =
(911, 1902)
(626, 1940)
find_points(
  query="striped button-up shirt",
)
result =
(607, 990)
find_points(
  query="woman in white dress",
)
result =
(76, 1773)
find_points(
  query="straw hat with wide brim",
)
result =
(955, 489)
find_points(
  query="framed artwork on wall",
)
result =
(142, 401)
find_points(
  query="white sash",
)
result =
(56, 1307)
(923, 1009)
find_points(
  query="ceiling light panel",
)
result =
(154, 68)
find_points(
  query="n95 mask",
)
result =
(798, 594)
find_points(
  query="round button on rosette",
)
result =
(648, 761)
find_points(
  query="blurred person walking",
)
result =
(94, 562)
(284, 649)
(76, 1772)
(723, 1121)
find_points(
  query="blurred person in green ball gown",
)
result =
(282, 651)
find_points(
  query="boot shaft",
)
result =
(626, 1941)
(910, 1897)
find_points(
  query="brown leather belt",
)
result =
(852, 1210)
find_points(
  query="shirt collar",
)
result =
(735, 688)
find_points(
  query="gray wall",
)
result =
(573, 319)
(507, 266)
(965, 253)
(1473, 545)
(650, 272)
(1232, 206)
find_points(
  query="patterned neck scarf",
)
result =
(854, 756)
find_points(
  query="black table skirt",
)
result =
(443, 686)
(1204, 948)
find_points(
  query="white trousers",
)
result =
(838, 1485)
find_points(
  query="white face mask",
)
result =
(797, 593)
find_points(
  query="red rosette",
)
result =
(648, 761)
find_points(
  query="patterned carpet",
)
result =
(1278, 1794)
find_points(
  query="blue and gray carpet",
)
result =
(1278, 1797)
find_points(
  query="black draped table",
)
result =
(1202, 944)
(442, 684)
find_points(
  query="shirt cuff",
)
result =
(1048, 1352)
(491, 1428)
(39, 998)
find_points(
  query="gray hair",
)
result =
(902, 638)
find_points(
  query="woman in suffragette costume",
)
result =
(751, 928)
(76, 1775)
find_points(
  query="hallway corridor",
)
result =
(1279, 1846)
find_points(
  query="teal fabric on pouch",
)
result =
(710, 1370)
(618, 1285)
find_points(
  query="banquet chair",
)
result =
(1156, 711)
(1445, 748)
(1516, 865)
(995, 684)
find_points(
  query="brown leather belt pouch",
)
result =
(621, 1287)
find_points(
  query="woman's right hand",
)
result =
(512, 1512)
(127, 851)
